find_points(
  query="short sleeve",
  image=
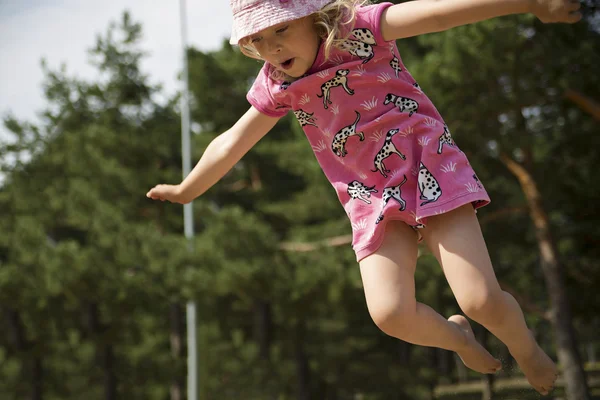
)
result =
(265, 95)
(369, 17)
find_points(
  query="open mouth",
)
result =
(287, 64)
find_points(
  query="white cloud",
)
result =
(62, 30)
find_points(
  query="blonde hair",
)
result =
(334, 23)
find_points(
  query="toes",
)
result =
(545, 390)
(541, 390)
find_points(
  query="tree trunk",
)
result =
(487, 379)
(15, 328)
(404, 352)
(560, 312)
(302, 370)
(37, 379)
(176, 338)
(460, 369)
(487, 393)
(21, 344)
(110, 378)
(508, 362)
(104, 352)
(263, 326)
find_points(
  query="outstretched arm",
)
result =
(218, 158)
(418, 17)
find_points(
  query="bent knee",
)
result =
(392, 318)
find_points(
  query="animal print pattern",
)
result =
(428, 186)
(341, 137)
(340, 79)
(392, 192)
(363, 46)
(359, 191)
(395, 64)
(365, 36)
(305, 118)
(387, 150)
(445, 139)
(404, 104)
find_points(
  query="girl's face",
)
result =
(291, 47)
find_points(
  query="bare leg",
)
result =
(388, 280)
(456, 240)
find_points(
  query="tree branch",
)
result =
(584, 102)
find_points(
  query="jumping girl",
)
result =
(388, 154)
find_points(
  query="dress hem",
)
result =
(477, 199)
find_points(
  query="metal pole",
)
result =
(188, 221)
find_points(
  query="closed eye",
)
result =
(255, 39)
(281, 30)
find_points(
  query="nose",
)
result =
(274, 46)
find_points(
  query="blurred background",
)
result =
(95, 277)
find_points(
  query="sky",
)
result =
(61, 31)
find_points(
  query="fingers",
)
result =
(166, 193)
(155, 197)
(155, 194)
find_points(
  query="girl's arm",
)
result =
(218, 158)
(425, 16)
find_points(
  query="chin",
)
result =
(298, 74)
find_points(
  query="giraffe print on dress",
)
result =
(445, 139)
(392, 192)
(339, 140)
(428, 186)
(340, 79)
(387, 150)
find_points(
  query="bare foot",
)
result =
(472, 354)
(539, 369)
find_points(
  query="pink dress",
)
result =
(378, 138)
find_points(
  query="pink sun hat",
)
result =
(251, 16)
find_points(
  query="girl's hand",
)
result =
(556, 10)
(172, 193)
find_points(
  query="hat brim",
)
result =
(265, 14)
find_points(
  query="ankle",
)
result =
(527, 349)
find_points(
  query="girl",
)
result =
(388, 154)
